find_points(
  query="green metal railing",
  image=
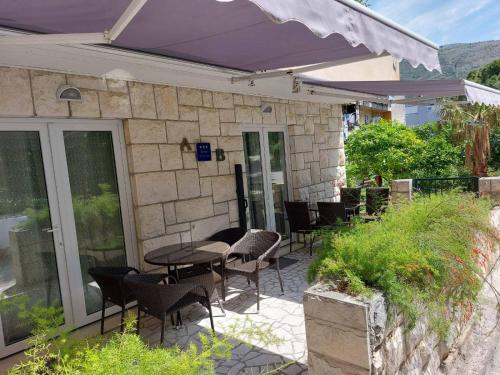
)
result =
(437, 185)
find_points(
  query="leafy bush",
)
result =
(495, 151)
(392, 150)
(53, 351)
(123, 354)
(419, 254)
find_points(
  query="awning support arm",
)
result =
(105, 37)
(303, 69)
(348, 95)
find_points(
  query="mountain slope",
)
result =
(457, 60)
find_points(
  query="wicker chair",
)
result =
(300, 221)
(229, 236)
(161, 300)
(351, 197)
(332, 214)
(377, 199)
(262, 247)
(113, 289)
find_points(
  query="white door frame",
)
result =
(69, 230)
(53, 156)
(263, 131)
(41, 128)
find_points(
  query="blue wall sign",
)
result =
(203, 152)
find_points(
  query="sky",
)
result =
(445, 21)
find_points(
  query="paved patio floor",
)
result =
(283, 312)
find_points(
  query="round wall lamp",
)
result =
(69, 94)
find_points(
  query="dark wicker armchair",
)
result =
(377, 199)
(113, 289)
(161, 300)
(351, 197)
(229, 236)
(332, 214)
(300, 221)
(262, 248)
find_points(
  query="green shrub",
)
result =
(122, 354)
(392, 150)
(419, 254)
(53, 351)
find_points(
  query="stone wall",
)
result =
(355, 335)
(401, 190)
(490, 187)
(175, 197)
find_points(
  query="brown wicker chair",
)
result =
(332, 214)
(113, 289)
(161, 300)
(300, 221)
(351, 197)
(262, 248)
(377, 199)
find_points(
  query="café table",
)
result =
(196, 253)
(190, 253)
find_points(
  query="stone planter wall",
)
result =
(488, 187)
(177, 198)
(350, 335)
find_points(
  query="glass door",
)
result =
(63, 209)
(97, 233)
(32, 263)
(279, 179)
(267, 177)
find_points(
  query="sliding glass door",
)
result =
(63, 209)
(267, 177)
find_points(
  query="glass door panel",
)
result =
(255, 180)
(267, 179)
(28, 265)
(278, 180)
(96, 205)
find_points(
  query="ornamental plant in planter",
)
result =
(392, 295)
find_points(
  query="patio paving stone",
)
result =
(283, 312)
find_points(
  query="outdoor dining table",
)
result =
(187, 254)
(190, 253)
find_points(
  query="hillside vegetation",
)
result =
(488, 75)
(457, 60)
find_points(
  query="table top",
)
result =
(196, 252)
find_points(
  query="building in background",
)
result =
(384, 68)
(416, 115)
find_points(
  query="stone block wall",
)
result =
(175, 197)
(356, 335)
(401, 190)
(490, 187)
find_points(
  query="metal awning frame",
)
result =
(294, 72)
(106, 37)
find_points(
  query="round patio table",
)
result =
(191, 253)
(197, 252)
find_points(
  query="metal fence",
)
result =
(428, 186)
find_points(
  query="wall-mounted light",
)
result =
(266, 108)
(69, 94)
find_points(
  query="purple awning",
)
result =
(418, 90)
(249, 35)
